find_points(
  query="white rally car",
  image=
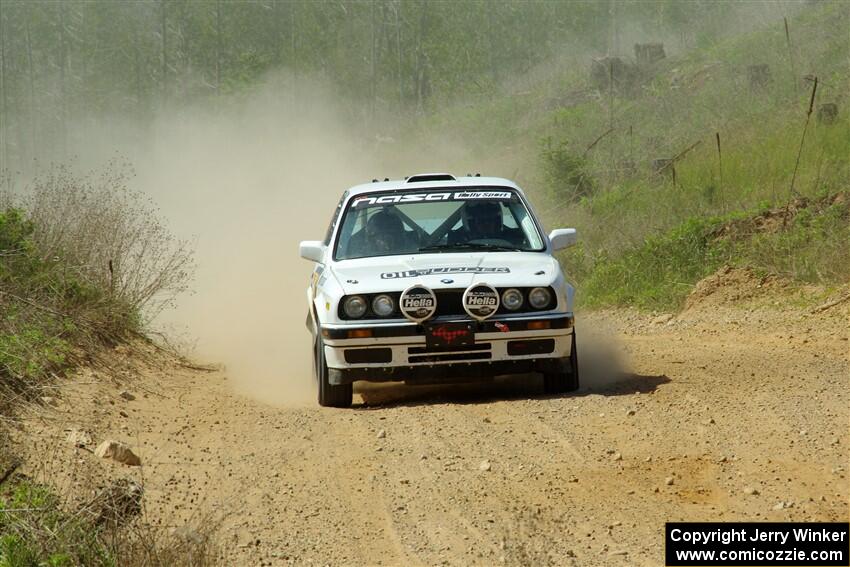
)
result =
(438, 279)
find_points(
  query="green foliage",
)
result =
(80, 259)
(15, 231)
(33, 350)
(57, 282)
(472, 70)
(657, 274)
(567, 176)
(38, 529)
(814, 249)
(660, 272)
(31, 344)
(38, 533)
(403, 54)
(23, 266)
(34, 341)
(16, 246)
(14, 552)
(643, 235)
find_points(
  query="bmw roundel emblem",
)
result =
(447, 280)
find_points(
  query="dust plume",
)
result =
(248, 179)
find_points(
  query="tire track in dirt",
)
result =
(577, 480)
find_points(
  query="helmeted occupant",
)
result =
(385, 233)
(481, 220)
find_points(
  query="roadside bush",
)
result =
(84, 262)
(567, 175)
(109, 238)
(38, 532)
(34, 528)
(814, 247)
(657, 274)
(32, 352)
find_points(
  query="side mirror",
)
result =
(313, 250)
(562, 238)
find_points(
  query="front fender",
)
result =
(323, 297)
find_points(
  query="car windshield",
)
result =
(434, 221)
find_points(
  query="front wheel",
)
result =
(330, 395)
(563, 381)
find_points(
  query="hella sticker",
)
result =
(480, 301)
(418, 303)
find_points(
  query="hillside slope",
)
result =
(590, 154)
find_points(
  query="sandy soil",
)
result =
(733, 410)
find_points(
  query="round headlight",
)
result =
(539, 297)
(512, 299)
(355, 306)
(383, 305)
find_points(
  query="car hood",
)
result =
(446, 270)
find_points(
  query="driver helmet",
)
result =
(384, 232)
(482, 219)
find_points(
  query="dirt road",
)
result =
(721, 413)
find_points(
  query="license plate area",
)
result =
(452, 334)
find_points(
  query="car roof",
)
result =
(425, 181)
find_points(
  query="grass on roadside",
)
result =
(810, 244)
(84, 263)
(37, 531)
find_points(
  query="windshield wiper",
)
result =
(469, 246)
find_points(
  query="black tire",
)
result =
(330, 395)
(561, 382)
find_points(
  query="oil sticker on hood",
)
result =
(454, 270)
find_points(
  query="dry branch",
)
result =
(12, 468)
(33, 304)
(719, 161)
(597, 140)
(679, 156)
(830, 304)
(803, 137)
(790, 55)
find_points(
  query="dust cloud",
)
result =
(602, 358)
(246, 181)
(246, 178)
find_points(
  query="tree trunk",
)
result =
(32, 109)
(398, 47)
(63, 56)
(293, 17)
(163, 31)
(372, 68)
(4, 102)
(218, 47)
(491, 43)
(137, 40)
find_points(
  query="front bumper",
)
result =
(398, 352)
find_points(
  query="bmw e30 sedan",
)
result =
(436, 279)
